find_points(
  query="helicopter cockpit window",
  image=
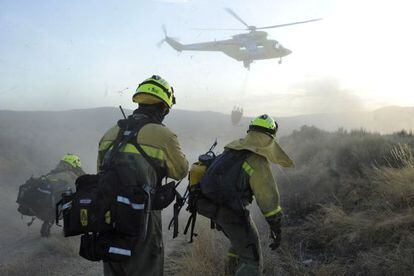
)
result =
(277, 45)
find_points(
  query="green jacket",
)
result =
(65, 173)
(158, 142)
(265, 150)
(162, 146)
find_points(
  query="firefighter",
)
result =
(155, 98)
(253, 178)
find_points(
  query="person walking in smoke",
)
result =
(64, 175)
(38, 196)
(155, 98)
(254, 153)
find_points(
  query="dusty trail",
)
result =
(24, 252)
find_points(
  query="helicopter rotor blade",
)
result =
(164, 30)
(218, 29)
(230, 11)
(159, 44)
(288, 24)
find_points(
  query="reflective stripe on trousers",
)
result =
(147, 257)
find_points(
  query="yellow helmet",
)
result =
(264, 123)
(72, 160)
(154, 90)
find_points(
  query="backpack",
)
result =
(112, 208)
(220, 184)
(37, 197)
(214, 178)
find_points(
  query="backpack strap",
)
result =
(116, 145)
(160, 174)
(191, 222)
(179, 203)
(136, 126)
(160, 171)
(129, 129)
(245, 212)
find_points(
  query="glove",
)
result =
(275, 224)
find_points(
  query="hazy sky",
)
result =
(78, 54)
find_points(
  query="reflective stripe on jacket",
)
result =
(265, 150)
(158, 142)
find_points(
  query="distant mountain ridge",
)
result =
(384, 120)
(31, 142)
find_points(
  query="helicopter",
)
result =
(245, 47)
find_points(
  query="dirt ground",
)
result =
(24, 252)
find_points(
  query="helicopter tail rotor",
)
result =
(159, 44)
(166, 37)
(164, 30)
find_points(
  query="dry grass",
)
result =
(373, 237)
(349, 209)
(206, 256)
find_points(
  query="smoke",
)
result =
(325, 96)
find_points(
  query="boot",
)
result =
(45, 230)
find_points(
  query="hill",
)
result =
(32, 141)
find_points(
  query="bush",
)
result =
(348, 206)
(353, 217)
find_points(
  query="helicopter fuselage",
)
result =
(245, 47)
